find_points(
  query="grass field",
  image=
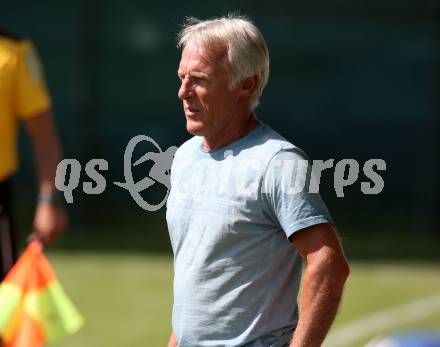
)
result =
(126, 299)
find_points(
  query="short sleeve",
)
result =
(32, 96)
(285, 193)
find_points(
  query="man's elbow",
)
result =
(340, 270)
(330, 266)
(335, 265)
(344, 270)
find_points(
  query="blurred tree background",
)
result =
(354, 80)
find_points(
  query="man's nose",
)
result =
(185, 90)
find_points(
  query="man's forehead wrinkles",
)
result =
(194, 68)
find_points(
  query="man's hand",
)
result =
(49, 223)
(323, 283)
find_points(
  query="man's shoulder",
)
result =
(267, 142)
(273, 138)
(284, 146)
(12, 50)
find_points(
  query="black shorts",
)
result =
(8, 251)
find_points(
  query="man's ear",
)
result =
(249, 85)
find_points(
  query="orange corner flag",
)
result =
(33, 306)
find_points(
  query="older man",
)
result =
(238, 229)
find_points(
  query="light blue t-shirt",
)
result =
(230, 213)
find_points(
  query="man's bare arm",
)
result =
(323, 283)
(50, 219)
(172, 341)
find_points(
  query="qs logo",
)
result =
(159, 173)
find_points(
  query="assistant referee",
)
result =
(24, 96)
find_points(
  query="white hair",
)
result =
(246, 48)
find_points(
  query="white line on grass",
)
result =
(381, 320)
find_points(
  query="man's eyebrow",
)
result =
(199, 74)
(194, 74)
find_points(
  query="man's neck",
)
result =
(230, 133)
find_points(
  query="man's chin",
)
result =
(194, 128)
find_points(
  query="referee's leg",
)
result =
(7, 237)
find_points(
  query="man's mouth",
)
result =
(191, 110)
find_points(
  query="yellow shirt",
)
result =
(23, 94)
